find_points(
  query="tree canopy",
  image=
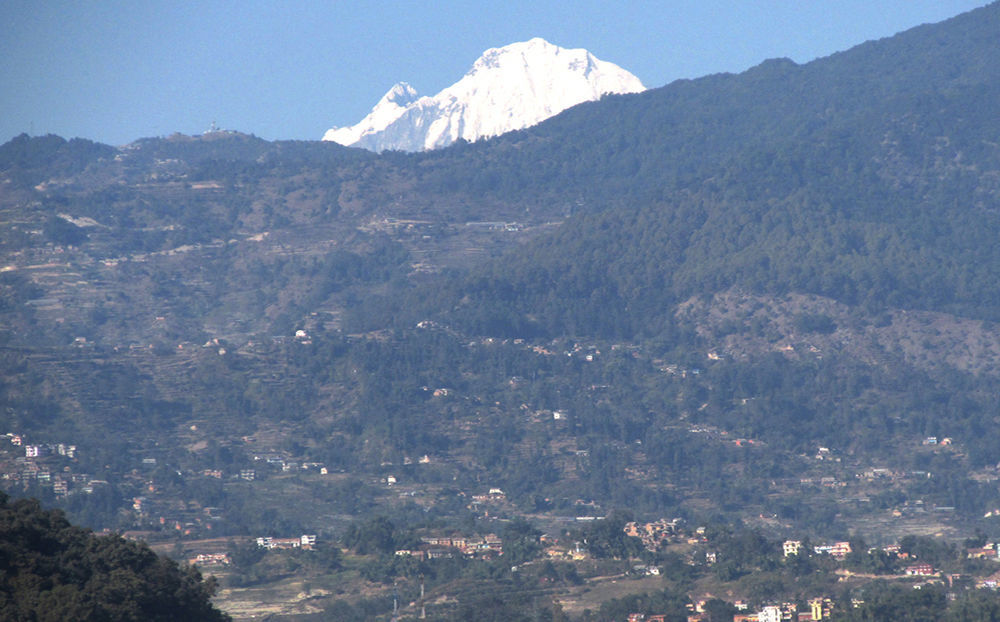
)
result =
(51, 570)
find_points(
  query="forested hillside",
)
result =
(767, 298)
(55, 571)
(870, 177)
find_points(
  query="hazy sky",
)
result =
(118, 71)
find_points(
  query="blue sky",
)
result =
(115, 71)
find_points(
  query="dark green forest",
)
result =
(55, 571)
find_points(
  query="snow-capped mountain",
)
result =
(392, 106)
(508, 88)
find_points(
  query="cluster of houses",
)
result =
(655, 534)
(277, 461)
(496, 226)
(987, 551)
(933, 440)
(658, 532)
(35, 466)
(184, 518)
(574, 552)
(41, 450)
(495, 497)
(837, 550)
(816, 609)
(840, 550)
(305, 542)
(26, 472)
(438, 547)
(210, 559)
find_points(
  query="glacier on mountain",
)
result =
(508, 88)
